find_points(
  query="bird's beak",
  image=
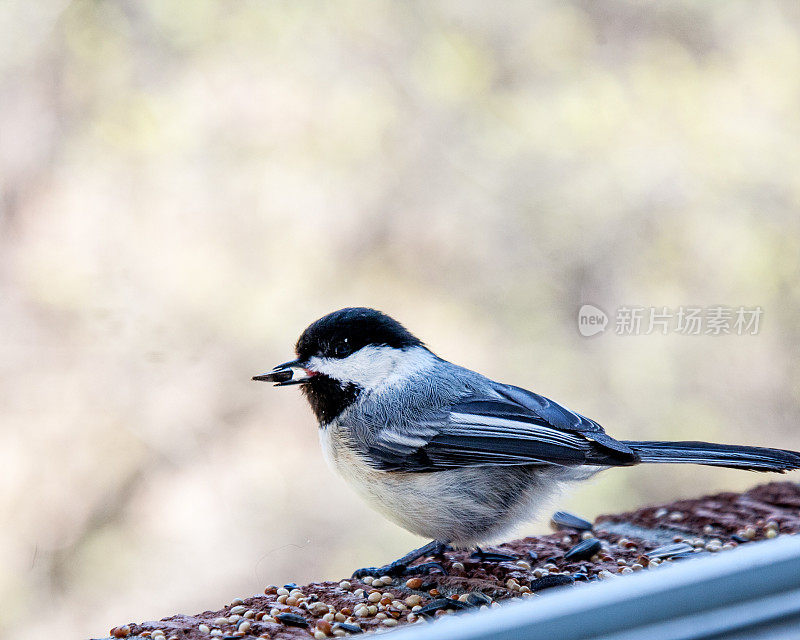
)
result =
(285, 374)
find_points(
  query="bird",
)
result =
(447, 453)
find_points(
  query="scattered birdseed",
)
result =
(414, 583)
(491, 556)
(441, 604)
(345, 584)
(413, 600)
(292, 620)
(318, 608)
(660, 513)
(771, 533)
(349, 628)
(583, 550)
(121, 632)
(476, 599)
(565, 520)
(669, 550)
(244, 626)
(551, 581)
(203, 628)
(676, 516)
(457, 566)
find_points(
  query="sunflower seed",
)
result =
(583, 550)
(476, 599)
(551, 581)
(670, 550)
(564, 520)
(440, 604)
(292, 620)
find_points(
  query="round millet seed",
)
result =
(122, 631)
(328, 617)
(339, 633)
(386, 580)
(249, 614)
(216, 632)
(238, 608)
(771, 533)
(368, 580)
(522, 564)
(204, 628)
(283, 591)
(375, 596)
(320, 635)
(324, 626)
(339, 617)
(358, 593)
(413, 600)
(389, 622)
(244, 626)
(346, 585)
(414, 583)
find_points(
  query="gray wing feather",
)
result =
(495, 426)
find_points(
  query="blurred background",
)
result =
(185, 186)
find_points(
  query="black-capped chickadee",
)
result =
(447, 453)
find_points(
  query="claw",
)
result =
(424, 569)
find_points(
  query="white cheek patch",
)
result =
(372, 368)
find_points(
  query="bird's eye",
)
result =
(341, 349)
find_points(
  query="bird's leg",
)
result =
(401, 566)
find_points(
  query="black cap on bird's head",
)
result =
(343, 332)
(337, 336)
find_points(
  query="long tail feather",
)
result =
(717, 455)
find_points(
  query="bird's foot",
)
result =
(403, 567)
(395, 570)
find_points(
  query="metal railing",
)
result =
(752, 592)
